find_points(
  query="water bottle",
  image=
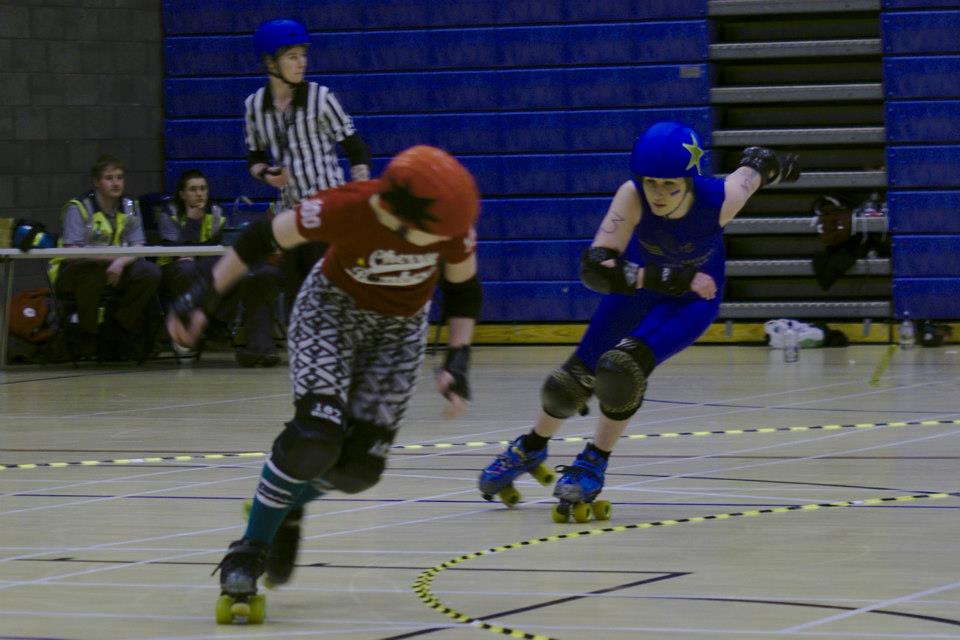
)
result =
(791, 345)
(908, 337)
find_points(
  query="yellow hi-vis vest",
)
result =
(100, 231)
(210, 226)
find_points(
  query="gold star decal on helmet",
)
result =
(695, 153)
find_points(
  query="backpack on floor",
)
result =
(32, 316)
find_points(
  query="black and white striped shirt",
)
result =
(303, 139)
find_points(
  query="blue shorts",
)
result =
(666, 324)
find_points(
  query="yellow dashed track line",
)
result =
(425, 579)
(475, 443)
(422, 585)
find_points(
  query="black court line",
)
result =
(550, 603)
(89, 374)
(887, 612)
(827, 485)
(624, 503)
(723, 405)
(327, 565)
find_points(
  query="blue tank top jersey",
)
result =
(695, 239)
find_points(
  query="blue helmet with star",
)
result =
(667, 150)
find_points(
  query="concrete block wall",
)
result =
(78, 78)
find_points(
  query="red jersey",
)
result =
(378, 268)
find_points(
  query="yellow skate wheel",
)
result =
(544, 475)
(258, 609)
(510, 496)
(247, 506)
(240, 610)
(581, 512)
(602, 510)
(559, 516)
(224, 613)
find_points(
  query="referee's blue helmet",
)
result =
(667, 150)
(273, 35)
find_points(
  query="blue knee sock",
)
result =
(312, 490)
(276, 494)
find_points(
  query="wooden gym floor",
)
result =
(766, 500)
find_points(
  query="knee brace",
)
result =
(312, 442)
(363, 459)
(622, 376)
(567, 390)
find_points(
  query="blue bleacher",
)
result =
(923, 154)
(540, 100)
(926, 298)
(561, 218)
(550, 174)
(924, 211)
(918, 4)
(936, 121)
(229, 16)
(555, 131)
(536, 301)
(912, 32)
(921, 77)
(465, 48)
(923, 166)
(916, 256)
(466, 91)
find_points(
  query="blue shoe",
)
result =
(583, 480)
(498, 477)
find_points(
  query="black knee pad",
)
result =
(622, 376)
(313, 441)
(363, 459)
(567, 390)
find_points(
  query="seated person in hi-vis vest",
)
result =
(190, 219)
(104, 217)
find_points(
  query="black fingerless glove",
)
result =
(201, 295)
(772, 167)
(456, 363)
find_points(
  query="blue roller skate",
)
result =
(579, 487)
(497, 479)
(239, 602)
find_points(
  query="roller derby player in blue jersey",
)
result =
(356, 341)
(658, 258)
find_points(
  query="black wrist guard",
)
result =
(201, 295)
(620, 278)
(256, 242)
(456, 363)
(462, 299)
(669, 280)
(772, 168)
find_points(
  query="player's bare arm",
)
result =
(622, 217)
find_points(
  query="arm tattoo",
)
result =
(613, 223)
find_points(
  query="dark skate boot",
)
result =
(282, 556)
(239, 602)
(497, 479)
(579, 487)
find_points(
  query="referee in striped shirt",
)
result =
(293, 128)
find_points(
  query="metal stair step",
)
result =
(795, 225)
(792, 267)
(836, 180)
(758, 7)
(796, 49)
(839, 309)
(797, 93)
(807, 135)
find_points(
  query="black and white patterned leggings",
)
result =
(366, 359)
